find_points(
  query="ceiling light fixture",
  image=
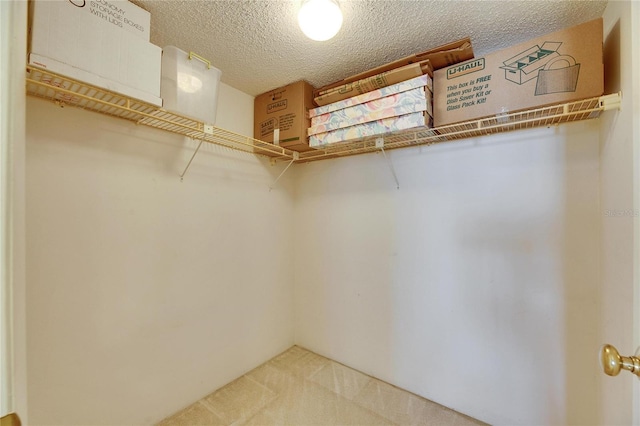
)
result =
(320, 19)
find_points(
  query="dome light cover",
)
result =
(320, 19)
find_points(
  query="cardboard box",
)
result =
(68, 40)
(414, 100)
(556, 68)
(424, 80)
(281, 116)
(120, 14)
(375, 82)
(373, 128)
(189, 86)
(439, 57)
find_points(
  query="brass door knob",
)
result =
(613, 362)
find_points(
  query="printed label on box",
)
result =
(268, 126)
(468, 91)
(464, 69)
(553, 72)
(121, 13)
(277, 106)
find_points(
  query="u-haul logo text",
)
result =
(466, 68)
(277, 106)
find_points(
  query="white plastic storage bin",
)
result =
(189, 85)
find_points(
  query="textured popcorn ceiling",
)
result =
(259, 46)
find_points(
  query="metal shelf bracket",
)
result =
(296, 156)
(380, 145)
(190, 161)
(612, 101)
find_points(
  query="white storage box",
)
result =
(122, 14)
(189, 85)
(72, 40)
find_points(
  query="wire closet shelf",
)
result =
(67, 91)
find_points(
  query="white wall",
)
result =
(618, 188)
(475, 285)
(146, 293)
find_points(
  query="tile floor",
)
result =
(299, 387)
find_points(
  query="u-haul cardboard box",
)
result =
(281, 116)
(103, 43)
(556, 68)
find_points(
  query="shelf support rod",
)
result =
(190, 161)
(296, 156)
(380, 144)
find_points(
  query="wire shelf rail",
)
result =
(67, 91)
(540, 117)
